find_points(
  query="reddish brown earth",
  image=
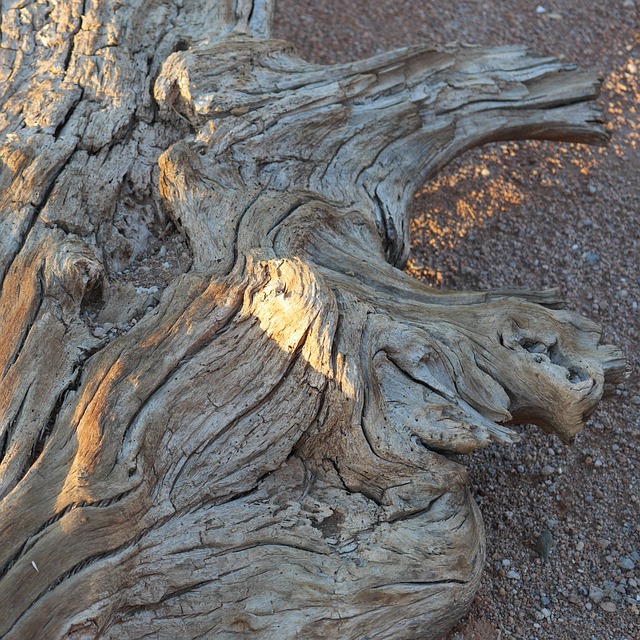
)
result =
(537, 215)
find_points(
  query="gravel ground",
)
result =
(538, 215)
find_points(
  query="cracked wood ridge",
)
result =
(267, 452)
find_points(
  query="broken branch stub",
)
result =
(267, 450)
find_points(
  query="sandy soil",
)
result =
(537, 215)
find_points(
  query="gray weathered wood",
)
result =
(266, 452)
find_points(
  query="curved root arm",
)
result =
(366, 133)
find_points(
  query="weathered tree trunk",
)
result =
(266, 452)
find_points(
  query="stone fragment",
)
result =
(544, 544)
(596, 594)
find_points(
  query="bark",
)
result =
(269, 451)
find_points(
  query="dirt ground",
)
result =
(536, 215)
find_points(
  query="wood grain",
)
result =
(270, 451)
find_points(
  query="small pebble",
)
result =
(635, 399)
(513, 575)
(596, 594)
(99, 332)
(166, 265)
(544, 544)
(627, 564)
(609, 607)
(485, 173)
(580, 546)
(547, 470)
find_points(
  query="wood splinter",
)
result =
(266, 451)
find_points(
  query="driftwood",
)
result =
(267, 453)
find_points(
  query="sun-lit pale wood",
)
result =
(268, 452)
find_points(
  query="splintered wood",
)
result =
(265, 452)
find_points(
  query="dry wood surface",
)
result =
(264, 444)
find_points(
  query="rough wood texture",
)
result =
(267, 453)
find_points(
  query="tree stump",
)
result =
(266, 450)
